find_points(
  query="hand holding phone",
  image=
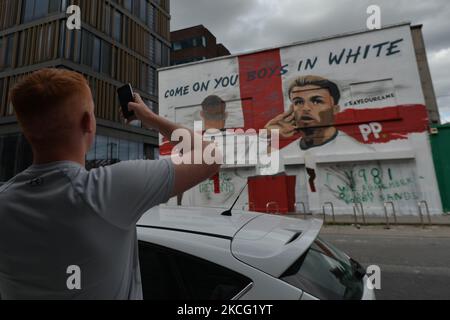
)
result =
(126, 95)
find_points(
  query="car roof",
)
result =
(197, 220)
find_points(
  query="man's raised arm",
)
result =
(187, 175)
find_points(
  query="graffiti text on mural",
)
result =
(370, 185)
(225, 185)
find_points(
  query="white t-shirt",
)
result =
(60, 215)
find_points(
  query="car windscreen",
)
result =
(326, 273)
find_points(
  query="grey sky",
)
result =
(243, 25)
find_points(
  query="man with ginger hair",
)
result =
(56, 216)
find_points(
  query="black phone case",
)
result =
(126, 96)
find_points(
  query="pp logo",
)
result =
(74, 280)
(374, 128)
(374, 278)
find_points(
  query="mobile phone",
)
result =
(126, 96)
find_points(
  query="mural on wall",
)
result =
(337, 103)
(314, 105)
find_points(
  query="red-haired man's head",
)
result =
(55, 109)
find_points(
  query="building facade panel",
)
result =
(120, 41)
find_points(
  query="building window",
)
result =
(158, 52)
(123, 150)
(143, 10)
(74, 49)
(107, 150)
(133, 152)
(150, 16)
(106, 59)
(6, 50)
(87, 47)
(190, 43)
(55, 5)
(153, 81)
(40, 8)
(128, 4)
(62, 39)
(117, 33)
(15, 156)
(28, 10)
(96, 54)
(113, 149)
(101, 148)
(176, 46)
(165, 55)
(36, 9)
(107, 20)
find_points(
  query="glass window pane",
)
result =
(143, 10)
(177, 46)
(91, 153)
(134, 151)
(158, 48)
(107, 20)
(96, 55)
(87, 48)
(117, 26)
(101, 150)
(326, 273)
(9, 50)
(123, 150)
(54, 6)
(141, 151)
(128, 5)
(64, 5)
(28, 10)
(113, 149)
(106, 57)
(150, 16)
(40, 8)
(8, 156)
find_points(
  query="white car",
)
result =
(199, 254)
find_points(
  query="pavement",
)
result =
(414, 261)
(437, 220)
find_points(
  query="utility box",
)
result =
(272, 194)
(440, 145)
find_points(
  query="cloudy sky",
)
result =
(243, 25)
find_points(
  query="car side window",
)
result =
(168, 274)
